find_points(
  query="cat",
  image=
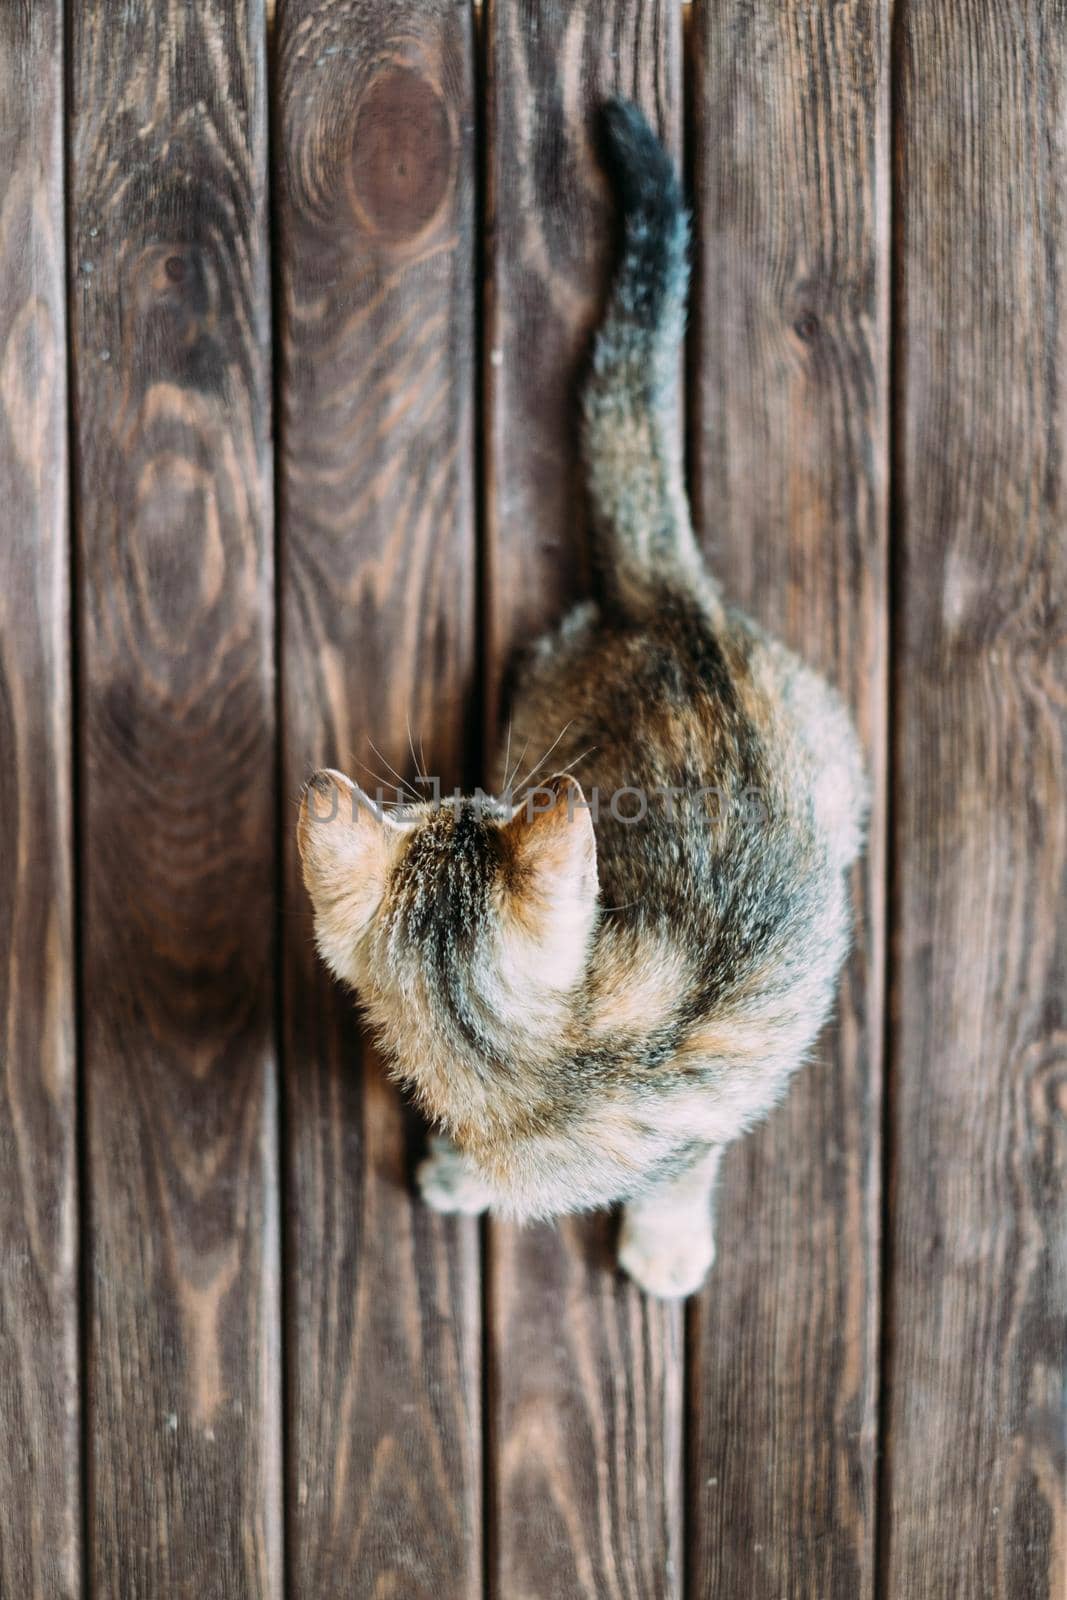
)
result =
(593, 986)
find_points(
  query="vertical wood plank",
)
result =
(40, 1543)
(375, 143)
(976, 1500)
(789, 456)
(586, 1375)
(171, 331)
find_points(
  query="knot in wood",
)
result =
(402, 154)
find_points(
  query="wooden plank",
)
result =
(586, 1375)
(376, 191)
(171, 330)
(40, 1535)
(976, 1412)
(789, 448)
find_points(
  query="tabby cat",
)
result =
(593, 986)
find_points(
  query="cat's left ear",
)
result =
(553, 881)
(347, 846)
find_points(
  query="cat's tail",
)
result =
(631, 433)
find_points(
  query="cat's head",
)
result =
(465, 925)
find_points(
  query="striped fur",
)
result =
(592, 1008)
(632, 441)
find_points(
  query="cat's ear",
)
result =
(551, 832)
(347, 846)
(552, 885)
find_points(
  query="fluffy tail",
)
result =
(631, 425)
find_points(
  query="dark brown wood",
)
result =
(975, 1499)
(40, 1503)
(789, 454)
(376, 191)
(171, 331)
(586, 1375)
(550, 239)
(377, 285)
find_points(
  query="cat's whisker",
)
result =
(507, 753)
(531, 774)
(509, 779)
(402, 786)
(562, 772)
(411, 746)
(383, 783)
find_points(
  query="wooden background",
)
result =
(293, 305)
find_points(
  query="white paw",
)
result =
(448, 1182)
(668, 1265)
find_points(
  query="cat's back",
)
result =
(729, 796)
(695, 738)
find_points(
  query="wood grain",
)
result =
(789, 456)
(375, 120)
(40, 1534)
(586, 1376)
(171, 331)
(976, 1422)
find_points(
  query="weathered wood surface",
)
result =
(554, 1456)
(171, 331)
(788, 414)
(40, 1532)
(976, 1425)
(586, 1376)
(376, 193)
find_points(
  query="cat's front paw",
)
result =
(449, 1183)
(667, 1264)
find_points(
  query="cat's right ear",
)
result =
(347, 844)
(552, 883)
